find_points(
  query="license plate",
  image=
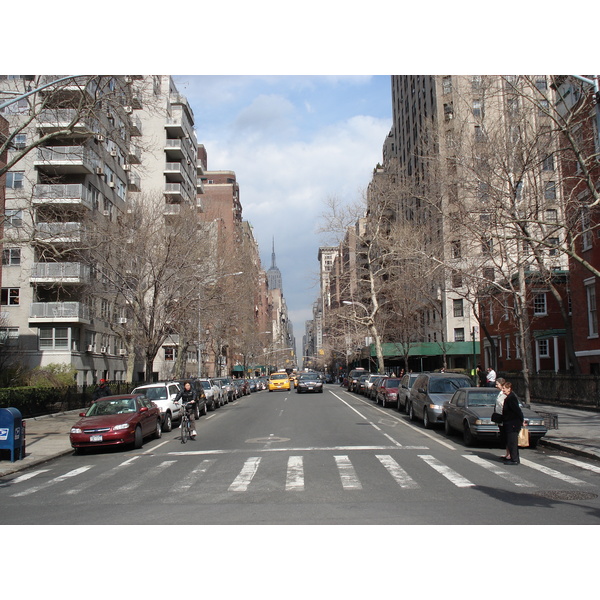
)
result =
(310, 387)
(95, 438)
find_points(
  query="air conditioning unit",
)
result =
(99, 137)
(126, 167)
(122, 320)
(106, 213)
(99, 171)
(90, 348)
(111, 184)
(113, 153)
(122, 352)
(128, 109)
(103, 350)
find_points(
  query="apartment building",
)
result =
(72, 142)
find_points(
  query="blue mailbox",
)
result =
(12, 436)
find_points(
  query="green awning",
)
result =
(394, 350)
(238, 368)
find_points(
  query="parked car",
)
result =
(361, 384)
(387, 392)
(163, 395)
(222, 390)
(228, 388)
(309, 382)
(430, 391)
(212, 393)
(369, 384)
(372, 393)
(353, 377)
(404, 388)
(117, 420)
(279, 381)
(469, 412)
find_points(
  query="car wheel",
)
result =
(426, 421)
(447, 427)
(168, 422)
(467, 435)
(204, 409)
(383, 402)
(411, 413)
(138, 439)
(158, 430)
(196, 411)
(406, 406)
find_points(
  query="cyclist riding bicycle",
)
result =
(187, 396)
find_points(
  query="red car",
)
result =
(387, 391)
(115, 420)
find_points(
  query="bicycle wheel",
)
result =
(185, 429)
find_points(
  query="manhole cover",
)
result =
(562, 495)
(264, 440)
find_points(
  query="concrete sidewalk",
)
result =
(48, 436)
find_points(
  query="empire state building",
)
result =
(274, 274)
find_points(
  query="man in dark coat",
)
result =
(101, 391)
(512, 421)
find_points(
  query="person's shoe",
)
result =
(193, 436)
(512, 462)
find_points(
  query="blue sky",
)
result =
(293, 141)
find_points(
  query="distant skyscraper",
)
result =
(274, 274)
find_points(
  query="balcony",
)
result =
(54, 233)
(63, 118)
(135, 126)
(134, 155)
(174, 125)
(174, 191)
(66, 272)
(172, 210)
(174, 148)
(72, 194)
(133, 182)
(66, 159)
(200, 186)
(174, 171)
(59, 312)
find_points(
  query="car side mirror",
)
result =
(144, 409)
(82, 414)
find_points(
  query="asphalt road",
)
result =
(284, 458)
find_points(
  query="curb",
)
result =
(578, 450)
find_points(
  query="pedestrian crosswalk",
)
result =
(344, 472)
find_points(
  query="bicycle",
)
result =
(186, 424)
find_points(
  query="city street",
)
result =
(284, 458)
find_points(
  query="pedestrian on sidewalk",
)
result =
(512, 419)
(101, 391)
(490, 378)
(500, 381)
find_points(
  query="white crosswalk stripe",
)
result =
(100, 478)
(447, 472)
(397, 472)
(242, 481)
(191, 478)
(21, 478)
(348, 475)
(552, 472)
(143, 477)
(578, 463)
(509, 476)
(295, 474)
(54, 481)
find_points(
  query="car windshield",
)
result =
(157, 393)
(308, 376)
(447, 386)
(392, 383)
(279, 376)
(205, 385)
(111, 407)
(482, 398)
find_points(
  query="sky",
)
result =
(293, 141)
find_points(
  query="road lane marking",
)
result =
(578, 463)
(496, 470)
(58, 479)
(402, 421)
(142, 477)
(447, 472)
(397, 472)
(190, 479)
(296, 449)
(244, 478)
(347, 473)
(552, 472)
(101, 477)
(295, 474)
(21, 478)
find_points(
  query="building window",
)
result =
(54, 338)
(487, 246)
(459, 334)
(554, 241)
(550, 190)
(548, 163)
(507, 346)
(543, 348)
(447, 84)
(458, 307)
(20, 141)
(586, 232)
(517, 346)
(11, 256)
(477, 108)
(539, 304)
(14, 218)
(551, 215)
(488, 273)
(456, 249)
(590, 289)
(9, 334)
(457, 279)
(14, 180)
(10, 297)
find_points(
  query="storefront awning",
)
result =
(391, 350)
